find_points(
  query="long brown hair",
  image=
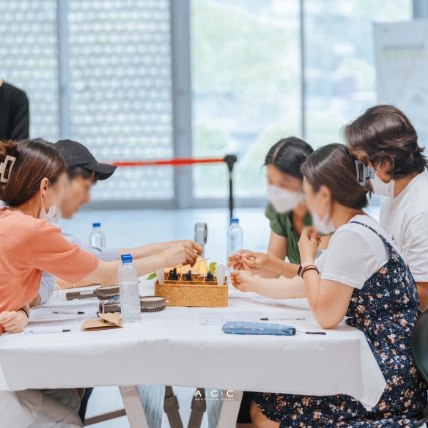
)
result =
(385, 132)
(333, 166)
(35, 159)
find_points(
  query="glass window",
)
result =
(120, 64)
(29, 58)
(340, 61)
(246, 87)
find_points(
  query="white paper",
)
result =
(43, 327)
(46, 312)
(221, 317)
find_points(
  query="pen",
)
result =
(42, 332)
(68, 312)
(280, 319)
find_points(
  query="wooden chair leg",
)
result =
(199, 406)
(171, 408)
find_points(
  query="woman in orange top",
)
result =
(32, 181)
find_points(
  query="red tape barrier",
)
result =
(172, 162)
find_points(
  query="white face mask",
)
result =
(381, 188)
(322, 225)
(283, 200)
(57, 214)
(52, 216)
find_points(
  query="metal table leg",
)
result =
(143, 405)
(134, 408)
(230, 409)
(223, 408)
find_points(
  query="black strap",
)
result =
(24, 310)
(385, 241)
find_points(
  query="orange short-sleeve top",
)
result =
(29, 246)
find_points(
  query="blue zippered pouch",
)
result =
(258, 328)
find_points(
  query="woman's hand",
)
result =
(308, 244)
(243, 280)
(248, 260)
(179, 254)
(13, 322)
(188, 243)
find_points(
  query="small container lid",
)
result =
(126, 258)
(234, 220)
(96, 224)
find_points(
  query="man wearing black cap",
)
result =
(84, 171)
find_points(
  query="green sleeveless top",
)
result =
(281, 225)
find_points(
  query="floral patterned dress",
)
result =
(385, 310)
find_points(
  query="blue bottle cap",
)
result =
(234, 220)
(96, 224)
(126, 258)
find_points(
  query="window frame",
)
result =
(182, 106)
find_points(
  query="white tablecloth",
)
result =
(170, 348)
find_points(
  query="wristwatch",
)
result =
(302, 266)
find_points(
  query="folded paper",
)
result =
(105, 321)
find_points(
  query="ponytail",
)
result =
(334, 167)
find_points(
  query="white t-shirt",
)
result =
(354, 253)
(405, 219)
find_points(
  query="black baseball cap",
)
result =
(76, 154)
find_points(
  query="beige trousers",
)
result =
(55, 408)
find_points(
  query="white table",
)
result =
(170, 348)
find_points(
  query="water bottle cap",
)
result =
(234, 220)
(126, 258)
(96, 224)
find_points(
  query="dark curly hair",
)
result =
(384, 132)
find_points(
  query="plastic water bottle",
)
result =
(235, 237)
(129, 291)
(97, 237)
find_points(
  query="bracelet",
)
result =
(303, 266)
(311, 267)
(24, 310)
